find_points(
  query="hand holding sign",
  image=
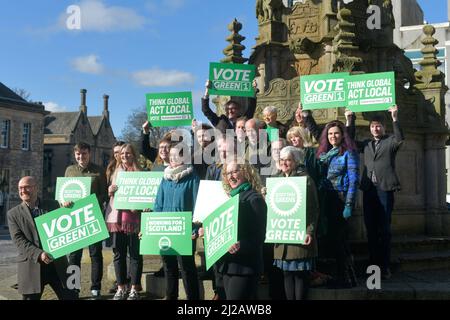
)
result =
(45, 258)
(235, 248)
(394, 112)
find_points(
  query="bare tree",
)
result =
(24, 94)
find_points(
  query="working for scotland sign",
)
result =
(66, 230)
(220, 230)
(360, 93)
(72, 189)
(137, 190)
(286, 210)
(170, 109)
(166, 233)
(230, 79)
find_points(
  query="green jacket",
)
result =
(297, 251)
(98, 184)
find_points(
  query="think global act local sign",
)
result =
(170, 109)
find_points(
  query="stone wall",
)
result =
(19, 161)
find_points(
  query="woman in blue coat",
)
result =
(177, 193)
(339, 181)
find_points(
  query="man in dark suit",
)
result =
(36, 268)
(379, 181)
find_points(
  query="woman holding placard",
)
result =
(339, 180)
(243, 264)
(177, 193)
(297, 260)
(124, 227)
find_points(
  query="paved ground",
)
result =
(418, 285)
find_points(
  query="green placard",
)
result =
(371, 92)
(231, 79)
(170, 109)
(323, 91)
(72, 189)
(220, 230)
(66, 230)
(137, 190)
(286, 210)
(166, 233)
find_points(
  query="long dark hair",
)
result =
(347, 143)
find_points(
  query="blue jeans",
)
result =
(378, 205)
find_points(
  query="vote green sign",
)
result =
(136, 190)
(66, 230)
(371, 92)
(323, 91)
(286, 210)
(72, 189)
(170, 109)
(360, 93)
(166, 233)
(220, 230)
(229, 79)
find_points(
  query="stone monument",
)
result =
(315, 36)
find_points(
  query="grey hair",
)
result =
(270, 109)
(291, 151)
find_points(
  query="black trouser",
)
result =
(338, 237)
(378, 205)
(240, 287)
(123, 243)
(95, 252)
(296, 284)
(274, 274)
(188, 273)
(218, 285)
(50, 276)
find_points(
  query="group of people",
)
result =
(242, 151)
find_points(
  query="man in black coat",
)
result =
(35, 267)
(379, 181)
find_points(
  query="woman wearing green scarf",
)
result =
(243, 264)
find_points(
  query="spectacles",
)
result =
(286, 160)
(234, 172)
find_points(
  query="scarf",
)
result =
(178, 173)
(325, 158)
(126, 221)
(242, 187)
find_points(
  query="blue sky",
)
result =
(124, 49)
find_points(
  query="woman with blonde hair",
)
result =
(243, 264)
(124, 227)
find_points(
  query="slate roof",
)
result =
(9, 97)
(96, 123)
(61, 122)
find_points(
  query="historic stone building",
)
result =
(65, 129)
(21, 145)
(313, 37)
(408, 35)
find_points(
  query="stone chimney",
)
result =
(83, 107)
(105, 106)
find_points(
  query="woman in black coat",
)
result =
(243, 264)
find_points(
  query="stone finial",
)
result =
(83, 107)
(233, 52)
(430, 62)
(343, 43)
